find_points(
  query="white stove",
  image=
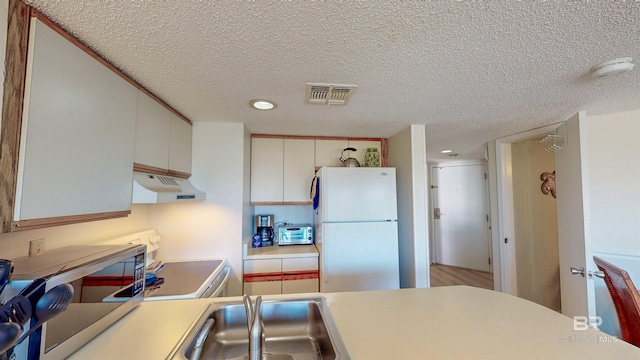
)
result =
(174, 279)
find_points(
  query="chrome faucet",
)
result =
(254, 326)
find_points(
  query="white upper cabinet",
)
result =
(180, 145)
(281, 170)
(77, 137)
(267, 169)
(163, 140)
(298, 169)
(152, 133)
(328, 152)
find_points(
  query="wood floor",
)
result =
(442, 275)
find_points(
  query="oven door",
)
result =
(295, 235)
(218, 287)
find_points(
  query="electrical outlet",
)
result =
(36, 247)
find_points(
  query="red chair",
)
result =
(626, 299)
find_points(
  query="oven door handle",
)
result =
(223, 283)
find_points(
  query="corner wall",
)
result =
(213, 228)
(407, 153)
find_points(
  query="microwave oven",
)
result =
(295, 235)
(94, 272)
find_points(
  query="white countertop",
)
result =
(456, 322)
(276, 251)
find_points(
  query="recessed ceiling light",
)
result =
(263, 104)
(446, 151)
(613, 67)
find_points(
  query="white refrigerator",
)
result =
(357, 229)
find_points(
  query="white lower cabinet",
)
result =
(281, 276)
(300, 286)
(263, 287)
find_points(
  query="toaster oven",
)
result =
(295, 235)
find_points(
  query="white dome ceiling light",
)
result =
(613, 67)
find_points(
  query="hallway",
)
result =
(442, 275)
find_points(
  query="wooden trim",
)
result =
(179, 174)
(365, 139)
(159, 171)
(311, 137)
(271, 276)
(331, 138)
(282, 276)
(267, 136)
(120, 281)
(267, 203)
(296, 137)
(12, 108)
(300, 275)
(40, 16)
(66, 220)
(384, 153)
(149, 169)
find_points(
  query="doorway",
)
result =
(535, 222)
(462, 247)
(574, 239)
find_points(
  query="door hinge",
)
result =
(485, 176)
(489, 261)
(487, 218)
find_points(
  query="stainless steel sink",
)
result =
(297, 329)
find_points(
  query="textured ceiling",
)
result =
(471, 71)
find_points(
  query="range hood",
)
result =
(154, 189)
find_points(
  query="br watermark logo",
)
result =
(583, 323)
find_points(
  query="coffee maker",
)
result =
(264, 228)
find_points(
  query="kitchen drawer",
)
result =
(262, 266)
(263, 287)
(297, 264)
(300, 286)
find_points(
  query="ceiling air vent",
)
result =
(329, 94)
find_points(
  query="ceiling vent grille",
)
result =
(329, 94)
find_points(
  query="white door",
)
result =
(359, 256)
(358, 194)
(461, 226)
(574, 239)
(577, 292)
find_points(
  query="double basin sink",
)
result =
(297, 329)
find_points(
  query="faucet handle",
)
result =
(248, 307)
(256, 333)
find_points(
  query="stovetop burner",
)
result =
(179, 279)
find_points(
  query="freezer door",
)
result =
(358, 194)
(359, 256)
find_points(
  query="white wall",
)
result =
(407, 153)
(614, 178)
(292, 214)
(13, 245)
(213, 228)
